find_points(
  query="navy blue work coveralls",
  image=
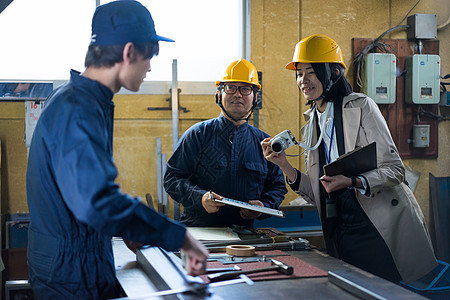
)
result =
(214, 156)
(75, 205)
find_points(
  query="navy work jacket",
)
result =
(214, 156)
(75, 205)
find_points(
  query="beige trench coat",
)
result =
(391, 206)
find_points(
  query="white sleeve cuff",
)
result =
(363, 189)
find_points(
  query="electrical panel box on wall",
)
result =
(421, 27)
(445, 99)
(379, 77)
(422, 79)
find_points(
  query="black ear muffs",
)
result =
(255, 97)
(219, 98)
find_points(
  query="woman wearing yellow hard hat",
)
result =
(370, 220)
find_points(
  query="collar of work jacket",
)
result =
(227, 125)
(102, 92)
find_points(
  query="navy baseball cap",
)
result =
(123, 21)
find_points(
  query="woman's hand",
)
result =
(338, 182)
(276, 158)
(279, 159)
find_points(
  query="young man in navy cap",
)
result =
(75, 204)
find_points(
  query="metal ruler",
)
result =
(261, 209)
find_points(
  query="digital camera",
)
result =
(282, 141)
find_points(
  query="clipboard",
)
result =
(261, 209)
(354, 163)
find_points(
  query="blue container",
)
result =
(294, 220)
(435, 285)
(18, 234)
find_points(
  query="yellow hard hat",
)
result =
(317, 48)
(241, 70)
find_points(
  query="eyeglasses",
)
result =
(244, 90)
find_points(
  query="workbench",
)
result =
(353, 283)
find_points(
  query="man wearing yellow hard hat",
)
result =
(371, 220)
(222, 157)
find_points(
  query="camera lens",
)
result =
(277, 146)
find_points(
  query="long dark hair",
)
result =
(340, 87)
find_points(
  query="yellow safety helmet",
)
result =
(240, 70)
(317, 48)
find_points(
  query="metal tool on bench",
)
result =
(242, 279)
(228, 259)
(169, 277)
(299, 244)
(166, 271)
(262, 240)
(275, 266)
(226, 269)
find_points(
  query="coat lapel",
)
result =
(338, 127)
(351, 118)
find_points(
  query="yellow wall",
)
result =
(14, 157)
(135, 132)
(276, 26)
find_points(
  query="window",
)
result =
(46, 38)
(43, 40)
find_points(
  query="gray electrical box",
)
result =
(421, 27)
(379, 77)
(421, 136)
(445, 99)
(422, 79)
